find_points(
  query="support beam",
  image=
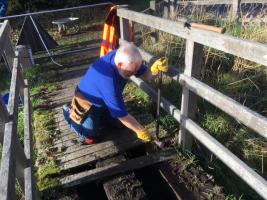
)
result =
(114, 169)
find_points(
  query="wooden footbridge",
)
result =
(75, 160)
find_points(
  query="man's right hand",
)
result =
(144, 135)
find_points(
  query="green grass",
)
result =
(21, 127)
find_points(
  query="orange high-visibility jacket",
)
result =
(111, 32)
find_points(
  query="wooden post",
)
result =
(166, 9)
(153, 5)
(25, 56)
(125, 26)
(236, 9)
(193, 61)
(172, 9)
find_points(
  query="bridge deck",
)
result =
(77, 162)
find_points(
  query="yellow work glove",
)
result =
(159, 65)
(144, 135)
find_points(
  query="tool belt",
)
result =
(80, 107)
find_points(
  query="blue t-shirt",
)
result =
(102, 85)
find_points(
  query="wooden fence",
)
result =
(17, 162)
(192, 87)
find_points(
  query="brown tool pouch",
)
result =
(80, 108)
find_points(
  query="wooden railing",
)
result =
(17, 162)
(193, 87)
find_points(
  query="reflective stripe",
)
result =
(112, 34)
(106, 27)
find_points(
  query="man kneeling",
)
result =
(98, 97)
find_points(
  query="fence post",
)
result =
(24, 56)
(166, 7)
(172, 9)
(193, 61)
(152, 5)
(236, 9)
(125, 26)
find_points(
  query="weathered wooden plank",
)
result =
(166, 9)
(21, 82)
(20, 158)
(9, 52)
(254, 51)
(108, 137)
(7, 173)
(30, 184)
(101, 153)
(4, 29)
(193, 61)
(245, 115)
(4, 116)
(8, 163)
(2, 131)
(114, 169)
(236, 9)
(106, 142)
(152, 5)
(90, 149)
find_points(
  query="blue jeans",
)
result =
(96, 120)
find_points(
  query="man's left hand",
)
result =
(160, 65)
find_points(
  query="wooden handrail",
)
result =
(253, 51)
(248, 117)
(248, 175)
(7, 173)
(14, 161)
